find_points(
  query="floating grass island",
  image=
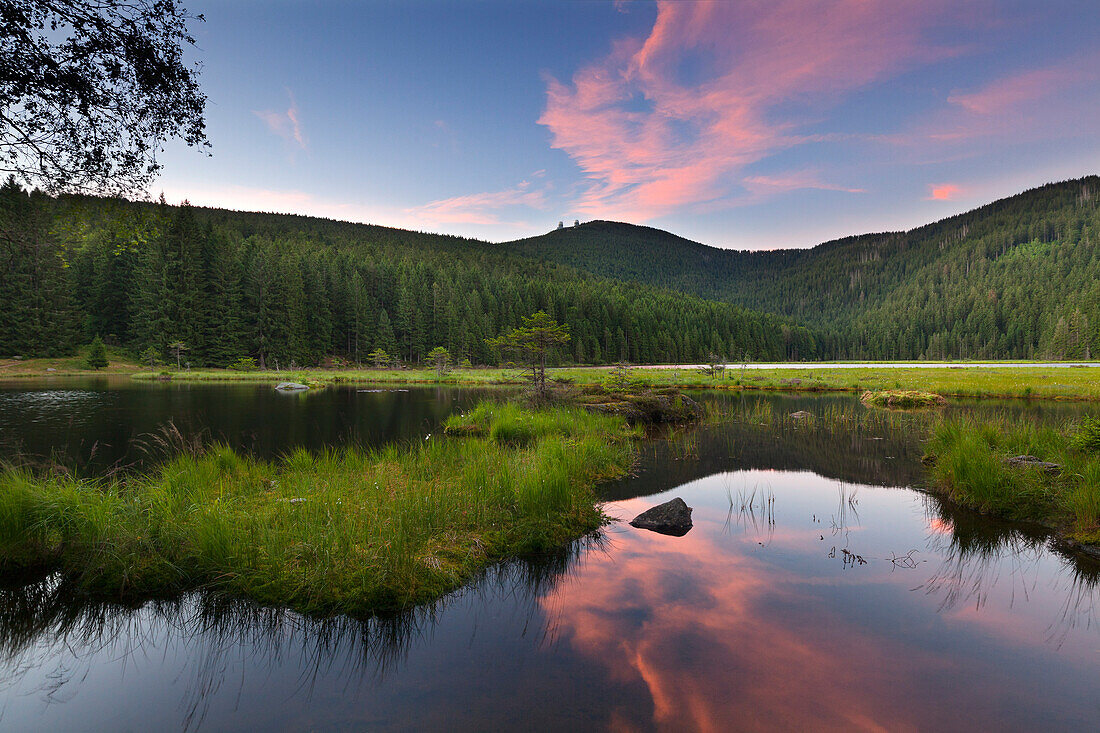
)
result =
(899, 399)
(350, 531)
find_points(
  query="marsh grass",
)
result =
(683, 444)
(826, 418)
(509, 423)
(969, 464)
(345, 531)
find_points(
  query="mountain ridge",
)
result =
(949, 288)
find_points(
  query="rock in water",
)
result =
(290, 386)
(672, 517)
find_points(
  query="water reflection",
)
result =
(766, 622)
(56, 647)
(754, 620)
(815, 591)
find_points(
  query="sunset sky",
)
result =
(752, 125)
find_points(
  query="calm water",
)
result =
(815, 591)
(92, 424)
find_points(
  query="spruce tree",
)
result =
(97, 355)
(386, 340)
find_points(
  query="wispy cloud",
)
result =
(671, 121)
(1047, 103)
(491, 209)
(481, 208)
(286, 124)
(1023, 88)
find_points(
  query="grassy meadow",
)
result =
(1079, 383)
(349, 531)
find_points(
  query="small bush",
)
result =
(1088, 435)
(244, 364)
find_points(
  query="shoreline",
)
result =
(1005, 381)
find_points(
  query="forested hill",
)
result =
(1017, 278)
(297, 290)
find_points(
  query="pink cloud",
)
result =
(479, 208)
(943, 192)
(653, 137)
(286, 125)
(1053, 102)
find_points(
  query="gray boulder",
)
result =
(291, 386)
(671, 518)
(1033, 462)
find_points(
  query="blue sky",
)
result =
(739, 124)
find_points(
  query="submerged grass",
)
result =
(349, 531)
(970, 465)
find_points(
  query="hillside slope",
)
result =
(1017, 278)
(297, 290)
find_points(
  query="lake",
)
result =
(818, 590)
